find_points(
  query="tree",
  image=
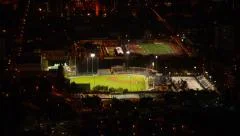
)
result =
(92, 102)
(61, 82)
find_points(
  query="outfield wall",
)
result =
(132, 70)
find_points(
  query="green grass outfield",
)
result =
(131, 82)
(156, 49)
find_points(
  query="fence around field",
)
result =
(104, 72)
(132, 70)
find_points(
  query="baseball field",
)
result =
(132, 82)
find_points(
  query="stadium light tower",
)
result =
(156, 59)
(127, 55)
(92, 55)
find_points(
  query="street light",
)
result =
(195, 69)
(166, 69)
(92, 55)
(153, 64)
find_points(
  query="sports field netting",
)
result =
(131, 82)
